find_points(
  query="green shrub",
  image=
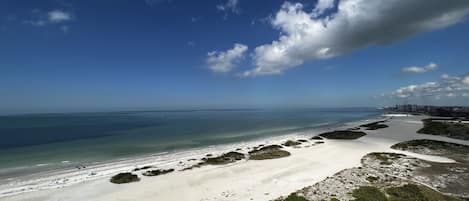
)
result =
(126, 177)
(416, 193)
(295, 197)
(404, 193)
(368, 193)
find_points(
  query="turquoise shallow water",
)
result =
(39, 142)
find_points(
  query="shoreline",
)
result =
(250, 179)
(53, 179)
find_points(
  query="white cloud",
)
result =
(221, 62)
(229, 5)
(448, 86)
(51, 17)
(417, 69)
(58, 16)
(322, 6)
(357, 24)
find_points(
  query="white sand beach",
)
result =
(247, 180)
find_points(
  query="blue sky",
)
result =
(64, 55)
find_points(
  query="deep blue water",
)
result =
(28, 140)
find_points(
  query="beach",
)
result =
(247, 179)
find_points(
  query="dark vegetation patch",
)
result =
(268, 152)
(316, 138)
(143, 168)
(407, 192)
(439, 147)
(440, 127)
(375, 125)
(295, 197)
(385, 157)
(223, 159)
(416, 193)
(226, 158)
(343, 135)
(126, 177)
(302, 140)
(368, 193)
(290, 143)
(157, 172)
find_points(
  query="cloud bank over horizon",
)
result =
(309, 35)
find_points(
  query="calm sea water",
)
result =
(31, 143)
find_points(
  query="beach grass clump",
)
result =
(343, 135)
(416, 193)
(225, 158)
(375, 125)
(368, 193)
(290, 143)
(150, 173)
(441, 127)
(295, 197)
(268, 152)
(302, 140)
(123, 178)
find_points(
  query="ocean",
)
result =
(34, 143)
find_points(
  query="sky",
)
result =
(70, 55)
